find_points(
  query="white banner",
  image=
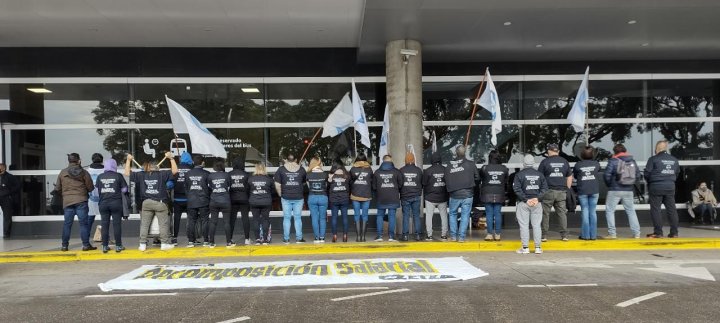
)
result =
(295, 273)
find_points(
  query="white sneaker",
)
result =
(538, 251)
(166, 246)
(142, 247)
(247, 242)
(523, 251)
(391, 240)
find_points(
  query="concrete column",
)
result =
(404, 96)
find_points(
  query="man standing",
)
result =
(387, 183)
(74, 183)
(197, 193)
(9, 188)
(558, 175)
(461, 176)
(660, 173)
(436, 196)
(620, 177)
(410, 196)
(94, 169)
(289, 180)
(529, 185)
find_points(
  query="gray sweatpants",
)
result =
(150, 209)
(430, 214)
(526, 216)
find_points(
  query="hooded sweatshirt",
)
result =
(186, 164)
(196, 187)
(239, 186)
(529, 183)
(74, 183)
(339, 187)
(219, 185)
(388, 182)
(493, 181)
(289, 180)
(111, 184)
(412, 182)
(434, 181)
(610, 174)
(461, 176)
(361, 181)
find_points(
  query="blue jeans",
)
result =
(391, 222)
(81, 210)
(318, 205)
(612, 199)
(339, 208)
(411, 207)
(464, 205)
(589, 216)
(359, 206)
(493, 215)
(292, 208)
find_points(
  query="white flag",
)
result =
(579, 108)
(202, 140)
(491, 102)
(359, 117)
(434, 143)
(385, 135)
(339, 119)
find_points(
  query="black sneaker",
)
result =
(105, 249)
(404, 237)
(258, 242)
(64, 248)
(174, 241)
(429, 238)
(286, 241)
(88, 248)
(417, 237)
(156, 242)
(300, 241)
(444, 238)
(119, 248)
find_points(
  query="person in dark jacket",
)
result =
(111, 186)
(94, 169)
(661, 173)
(339, 196)
(179, 197)
(436, 196)
(529, 186)
(197, 193)
(461, 176)
(318, 199)
(239, 191)
(493, 181)
(219, 184)
(410, 197)
(75, 183)
(9, 189)
(261, 186)
(587, 173)
(361, 184)
(387, 184)
(559, 179)
(618, 192)
(289, 183)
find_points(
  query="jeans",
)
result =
(556, 199)
(151, 209)
(411, 208)
(703, 209)
(612, 199)
(114, 210)
(81, 210)
(359, 206)
(292, 208)
(588, 203)
(667, 199)
(526, 216)
(493, 214)
(391, 222)
(464, 205)
(318, 205)
(430, 213)
(341, 208)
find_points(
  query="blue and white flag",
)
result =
(339, 119)
(202, 140)
(491, 102)
(434, 143)
(383, 150)
(359, 117)
(579, 109)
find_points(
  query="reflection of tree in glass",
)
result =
(689, 142)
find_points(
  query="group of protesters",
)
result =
(450, 189)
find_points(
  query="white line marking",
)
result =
(639, 299)
(348, 288)
(239, 319)
(370, 294)
(559, 285)
(130, 295)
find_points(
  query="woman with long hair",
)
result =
(317, 199)
(339, 196)
(261, 186)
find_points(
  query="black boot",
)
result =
(358, 231)
(363, 226)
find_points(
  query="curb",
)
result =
(359, 248)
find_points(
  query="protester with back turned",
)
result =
(661, 173)
(289, 183)
(219, 185)
(94, 169)
(239, 195)
(261, 186)
(559, 179)
(197, 192)
(410, 197)
(387, 183)
(9, 188)
(111, 186)
(75, 183)
(179, 195)
(529, 186)
(361, 185)
(436, 196)
(620, 176)
(318, 199)
(461, 176)
(587, 173)
(339, 196)
(493, 181)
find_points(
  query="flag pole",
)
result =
(472, 116)
(310, 143)
(587, 111)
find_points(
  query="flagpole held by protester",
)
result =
(472, 115)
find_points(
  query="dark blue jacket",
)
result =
(661, 172)
(610, 175)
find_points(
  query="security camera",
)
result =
(406, 53)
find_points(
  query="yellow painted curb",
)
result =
(358, 248)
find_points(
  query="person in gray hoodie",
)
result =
(529, 185)
(110, 186)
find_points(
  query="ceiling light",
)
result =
(39, 90)
(538, 45)
(507, 23)
(645, 44)
(632, 22)
(250, 90)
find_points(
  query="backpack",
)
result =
(626, 172)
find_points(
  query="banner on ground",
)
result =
(295, 273)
